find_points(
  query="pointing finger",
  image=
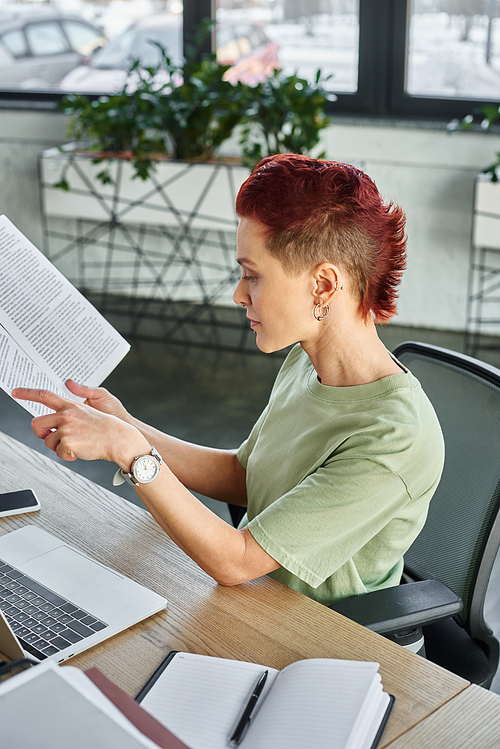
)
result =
(49, 399)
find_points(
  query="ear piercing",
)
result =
(318, 314)
(317, 311)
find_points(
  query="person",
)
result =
(338, 472)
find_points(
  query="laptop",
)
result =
(58, 602)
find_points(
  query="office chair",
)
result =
(448, 566)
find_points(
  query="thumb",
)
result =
(64, 454)
(82, 391)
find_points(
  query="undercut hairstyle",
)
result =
(317, 211)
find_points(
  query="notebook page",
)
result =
(371, 724)
(314, 703)
(371, 713)
(200, 698)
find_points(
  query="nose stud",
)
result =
(242, 304)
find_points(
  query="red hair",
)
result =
(323, 211)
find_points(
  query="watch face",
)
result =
(145, 469)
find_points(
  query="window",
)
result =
(46, 39)
(389, 58)
(410, 51)
(307, 34)
(15, 41)
(454, 49)
(141, 43)
(82, 38)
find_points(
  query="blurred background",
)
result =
(453, 46)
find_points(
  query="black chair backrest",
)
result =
(460, 539)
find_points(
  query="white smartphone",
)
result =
(15, 503)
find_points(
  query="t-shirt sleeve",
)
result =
(322, 522)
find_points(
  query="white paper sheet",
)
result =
(17, 369)
(58, 334)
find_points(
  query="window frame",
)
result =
(6, 47)
(406, 105)
(55, 22)
(383, 39)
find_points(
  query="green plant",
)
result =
(201, 109)
(189, 110)
(121, 124)
(186, 110)
(488, 115)
(285, 114)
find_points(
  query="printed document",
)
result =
(49, 332)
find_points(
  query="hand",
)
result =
(100, 399)
(81, 431)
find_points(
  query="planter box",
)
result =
(483, 298)
(182, 194)
(486, 232)
(167, 244)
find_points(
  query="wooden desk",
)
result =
(261, 621)
(469, 720)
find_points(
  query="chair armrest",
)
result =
(401, 607)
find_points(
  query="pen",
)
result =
(246, 717)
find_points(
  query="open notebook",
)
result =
(328, 703)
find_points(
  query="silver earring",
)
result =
(317, 313)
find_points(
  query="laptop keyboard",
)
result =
(43, 622)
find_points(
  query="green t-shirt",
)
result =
(339, 479)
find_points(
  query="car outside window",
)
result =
(46, 38)
(15, 41)
(134, 45)
(228, 48)
(253, 35)
(82, 38)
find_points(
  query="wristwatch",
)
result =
(144, 470)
